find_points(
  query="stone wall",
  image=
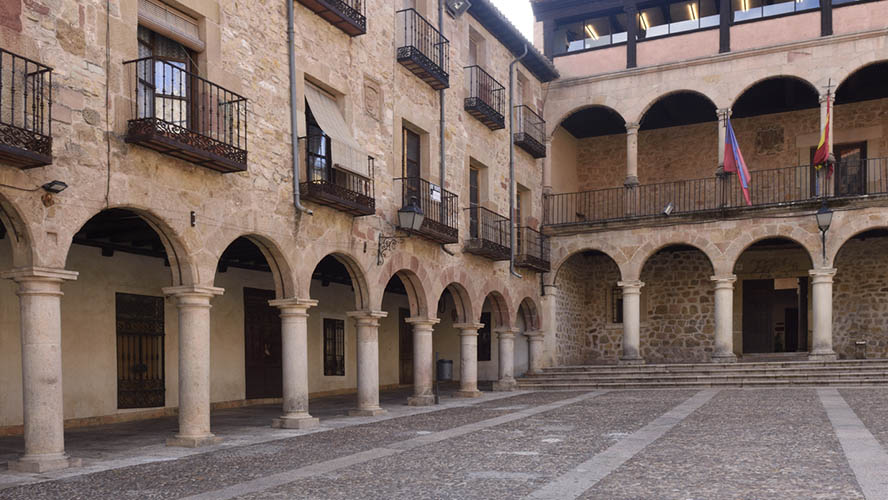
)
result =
(860, 297)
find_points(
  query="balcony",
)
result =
(25, 112)
(714, 196)
(489, 234)
(439, 206)
(348, 15)
(486, 100)
(423, 49)
(326, 184)
(182, 115)
(533, 250)
(530, 132)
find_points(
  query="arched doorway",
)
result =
(588, 149)
(860, 296)
(589, 307)
(678, 317)
(526, 321)
(406, 344)
(773, 296)
(10, 337)
(454, 309)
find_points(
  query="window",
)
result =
(522, 205)
(484, 339)
(330, 137)
(617, 305)
(411, 154)
(474, 201)
(754, 9)
(477, 46)
(164, 85)
(334, 347)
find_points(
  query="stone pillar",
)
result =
(468, 359)
(193, 303)
(547, 169)
(549, 320)
(822, 282)
(631, 154)
(368, 363)
(631, 322)
(535, 351)
(40, 300)
(724, 319)
(423, 362)
(506, 380)
(723, 115)
(294, 358)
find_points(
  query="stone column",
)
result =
(294, 358)
(423, 361)
(535, 351)
(723, 114)
(193, 303)
(40, 297)
(822, 282)
(631, 322)
(724, 319)
(549, 320)
(547, 169)
(506, 380)
(368, 363)
(631, 154)
(468, 359)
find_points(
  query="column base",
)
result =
(40, 465)
(823, 356)
(723, 358)
(468, 394)
(426, 400)
(631, 181)
(366, 412)
(505, 385)
(193, 442)
(630, 361)
(298, 422)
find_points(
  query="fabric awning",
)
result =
(345, 152)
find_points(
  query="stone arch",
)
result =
(18, 233)
(650, 248)
(748, 86)
(616, 255)
(462, 299)
(183, 268)
(849, 73)
(355, 271)
(847, 230)
(561, 117)
(647, 107)
(284, 279)
(736, 250)
(500, 313)
(416, 291)
(529, 311)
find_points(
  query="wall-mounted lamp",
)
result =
(410, 219)
(824, 219)
(54, 187)
(669, 208)
(456, 8)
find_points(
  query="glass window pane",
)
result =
(775, 8)
(597, 32)
(708, 13)
(619, 28)
(747, 9)
(685, 16)
(569, 37)
(652, 22)
(807, 5)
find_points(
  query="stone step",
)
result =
(736, 370)
(717, 366)
(860, 382)
(704, 377)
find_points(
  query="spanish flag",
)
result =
(821, 156)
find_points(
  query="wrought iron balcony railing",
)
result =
(25, 111)
(530, 131)
(767, 188)
(423, 49)
(486, 99)
(488, 234)
(533, 250)
(439, 206)
(185, 116)
(335, 187)
(348, 15)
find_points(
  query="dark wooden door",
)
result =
(850, 175)
(411, 167)
(758, 300)
(262, 345)
(803, 314)
(140, 351)
(791, 320)
(484, 338)
(405, 348)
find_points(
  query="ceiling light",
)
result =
(590, 30)
(744, 5)
(644, 21)
(692, 11)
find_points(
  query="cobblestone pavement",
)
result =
(650, 444)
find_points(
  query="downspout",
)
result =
(512, 162)
(294, 119)
(442, 170)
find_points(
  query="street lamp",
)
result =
(410, 219)
(824, 219)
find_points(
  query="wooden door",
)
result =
(405, 348)
(791, 320)
(850, 175)
(484, 338)
(262, 345)
(140, 351)
(758, 300)
(412, 171)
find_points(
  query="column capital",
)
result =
(468, 326)
(831, 96)
(630, 286)
(429, 322)
(550, 290)
(193, 290)
(724, 280)
(535, 335)
(723, 113)
(300, 305)
(823, 275)
(35, 273)
(367, 318)
(632, 127)
(506, 332)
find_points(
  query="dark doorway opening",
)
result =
(262, 348)
(775, 315)
(405, 348)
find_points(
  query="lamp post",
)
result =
(824, 219)
(410, 219)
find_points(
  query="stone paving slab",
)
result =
(871, 407)
(743, 444)
(505, 461)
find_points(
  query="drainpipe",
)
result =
(294, 119)
(442, 168)
(512, 162)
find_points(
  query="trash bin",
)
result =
(445, 370)
(861, 349)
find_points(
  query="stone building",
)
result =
(656, 256)
(168, 250)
